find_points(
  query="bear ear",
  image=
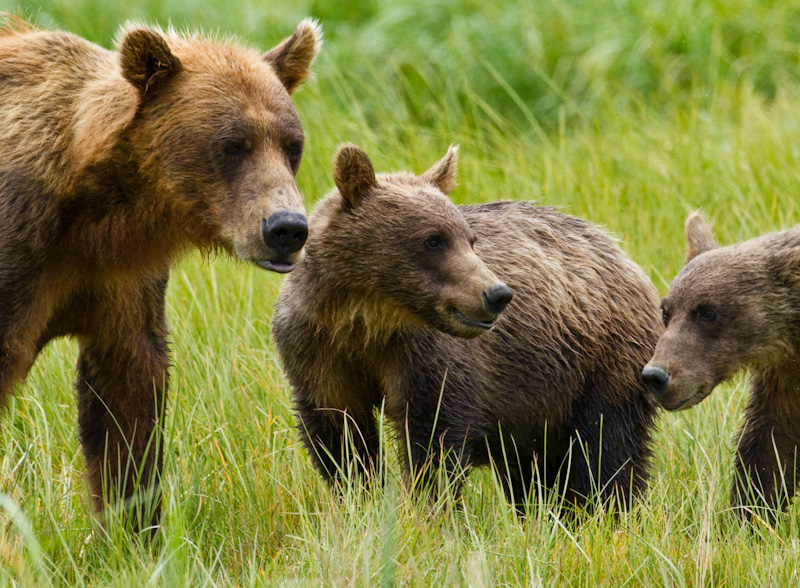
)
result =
(353, 174)
(786, 264)
(291, 58)
(698, 236)
(443, 174)
(146, 59)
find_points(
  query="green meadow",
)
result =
(629, 114)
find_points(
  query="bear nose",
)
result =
(285, 232)
(656, 379)
(496, 298)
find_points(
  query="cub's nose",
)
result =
(656, 379)
(285, 232)
(496, 298)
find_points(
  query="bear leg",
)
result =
(437, 448)
(121, 397)
(766, 458)
(610, 449)
(122, 392)
(342, 444)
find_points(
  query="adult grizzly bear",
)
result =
(111, 165)
(388, 305)
(731, 308)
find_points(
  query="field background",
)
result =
(629, 114)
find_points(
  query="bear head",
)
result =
(217, 135)
(394, 249)
(728, 308)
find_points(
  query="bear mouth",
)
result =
(280, 267)
(700, 394)
(672, 407)
(485, 325)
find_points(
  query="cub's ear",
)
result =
(699, 237)
(353, 174)
(146, 59)
(443, 174)
(786, 264)
(291, 58)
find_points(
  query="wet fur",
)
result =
(559, 370)
(97, 199)
(754, 288)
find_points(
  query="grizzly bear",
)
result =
(111, 165)
(400, 303)
(731, 308)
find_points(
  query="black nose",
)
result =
(656, 379)
(285, 232)
(497, 297)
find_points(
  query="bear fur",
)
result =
(731, 308)
(548, 391)
(111, 165)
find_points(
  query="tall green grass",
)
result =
(627, 114)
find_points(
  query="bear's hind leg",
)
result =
(610, 450)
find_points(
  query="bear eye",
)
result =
(293, 153)
(236, 147)
(665, 317)
(434, 243)
(706, 313)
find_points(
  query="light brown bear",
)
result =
(111, 165)
(400, 301)
(731, 308)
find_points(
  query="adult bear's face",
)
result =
(223, 140)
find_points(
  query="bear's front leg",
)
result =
(437, 444)
(765, 471)
(122, 391)
(766, 458)
(341, 443)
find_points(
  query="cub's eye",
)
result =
(236, 148)
(665, 317)
(434, 243)
(706, 313)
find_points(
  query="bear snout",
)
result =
(656, 379)
(285, 232)
(496, 298)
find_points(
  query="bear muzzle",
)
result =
(285, 233)
(495, 299)
(656, 379)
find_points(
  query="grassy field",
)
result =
(629, 114)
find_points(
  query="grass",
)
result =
(627, 114)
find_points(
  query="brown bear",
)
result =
(398, 303)
(111, 165)
(731, 308)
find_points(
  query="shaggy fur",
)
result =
(731, 308)
(552, 392)
(111, 165)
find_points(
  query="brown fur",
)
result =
(363, 323)
(731, 308)
(111, 165)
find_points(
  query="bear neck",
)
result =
(119, 219)
(351, 314)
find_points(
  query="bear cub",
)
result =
(731, 308)
(401, 301)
